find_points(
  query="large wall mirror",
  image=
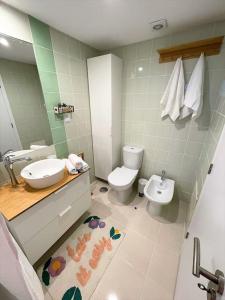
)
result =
(23, 117)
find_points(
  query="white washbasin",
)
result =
(159, 192)
(43, 173)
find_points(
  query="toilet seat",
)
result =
(122, 178)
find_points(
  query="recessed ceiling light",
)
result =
(159, 24)
(140, 69)
(4, 42)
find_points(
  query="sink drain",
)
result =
(159, 192)
(103, 189)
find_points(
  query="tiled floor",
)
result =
(145, 265)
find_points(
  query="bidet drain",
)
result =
(159, 192)
(103, 189)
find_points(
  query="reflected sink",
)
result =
(43, 173)
(20, 153)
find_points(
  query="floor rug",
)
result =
(75, 269)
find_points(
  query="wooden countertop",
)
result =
(14, 201)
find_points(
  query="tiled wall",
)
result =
(217, 82)
(70, 57)
(47, 72)
(61, 62)
(174, 147)
(23, 89)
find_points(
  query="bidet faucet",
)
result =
(8, 161)
(163, 176)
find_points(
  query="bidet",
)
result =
(159, 192)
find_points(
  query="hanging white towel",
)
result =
(18, 279)
(193, 100)
(173, 97)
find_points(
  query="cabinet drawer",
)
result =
(29, 223)
(71, 192)
(44, 239)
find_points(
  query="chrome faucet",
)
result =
(8, 161)
(163, 176)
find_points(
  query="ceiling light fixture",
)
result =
(159, 24)
(4, 42)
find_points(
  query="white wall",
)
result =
(14, 23)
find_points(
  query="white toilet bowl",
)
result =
(159, 193)
(121, 179)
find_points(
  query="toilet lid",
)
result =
(122, 176)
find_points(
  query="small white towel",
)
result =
(18, 279)
(78, 162)
(70, 167)
(193, 100)
(173, 97)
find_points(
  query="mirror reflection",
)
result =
(23, 117)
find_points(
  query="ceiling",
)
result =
(17, 50)
(106, 24)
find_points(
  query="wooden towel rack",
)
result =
(190, 50)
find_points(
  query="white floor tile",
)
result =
(154, 291)
(136, 250)
(163, 268)
(137, 271)
(120, 281)
(145, 225)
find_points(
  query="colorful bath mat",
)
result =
(75, 269)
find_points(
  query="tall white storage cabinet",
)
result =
(105, 88)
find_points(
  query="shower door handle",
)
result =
(217, 279)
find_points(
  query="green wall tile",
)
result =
(44, 59)
(58, 135)
(49, 82)
(51, 99)
(47, 73)
(55, 120)
(61, 150)
(40, 33)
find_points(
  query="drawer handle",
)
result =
(60, 190)
(65, 211)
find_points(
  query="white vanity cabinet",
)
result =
(39, 227)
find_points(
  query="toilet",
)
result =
(121, 179)
(159, 192)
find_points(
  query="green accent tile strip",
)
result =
(61, 150)
(40, 33)
(51, 99)
(47, 73)
(45, 59)
(58, 135)
(49, 82)
(55, 120)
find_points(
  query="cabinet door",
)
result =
(99, 76)
(37, 217)
(45, 238)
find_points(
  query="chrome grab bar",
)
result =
(197, 270)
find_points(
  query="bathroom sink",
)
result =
(43, 173)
